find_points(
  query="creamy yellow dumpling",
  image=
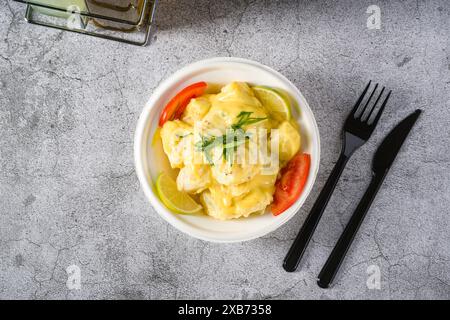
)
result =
(177, 142)
(289, 141)
(196, 110)
(228, 188)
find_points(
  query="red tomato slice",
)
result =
(175, 108)
(291, 182)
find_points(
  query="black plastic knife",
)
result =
(382, 161)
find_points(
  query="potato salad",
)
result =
(213, 140)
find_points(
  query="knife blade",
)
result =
(382, 161)
(389, 148)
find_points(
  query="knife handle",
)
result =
(336, 257)
(300, 243)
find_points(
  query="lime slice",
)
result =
(176, 201)
(276, 103)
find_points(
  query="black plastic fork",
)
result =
(357, 130)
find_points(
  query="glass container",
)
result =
(128, 21)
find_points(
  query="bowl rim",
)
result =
(139, 150)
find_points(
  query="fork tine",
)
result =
(368, 101)
(355, 108)
(375, 104)
(377, 117)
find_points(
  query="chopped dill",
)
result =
(230, 141)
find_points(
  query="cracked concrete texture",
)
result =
(69, 195)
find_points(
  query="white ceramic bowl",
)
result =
(222, 71)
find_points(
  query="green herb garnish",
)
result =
(230, 141)
(181, 136)
(244, 119)
(205, 145)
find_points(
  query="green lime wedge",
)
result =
(275, 102)
(175, 200)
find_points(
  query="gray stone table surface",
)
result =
(68, 190)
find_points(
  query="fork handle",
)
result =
(298, 248)
(339, 252)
